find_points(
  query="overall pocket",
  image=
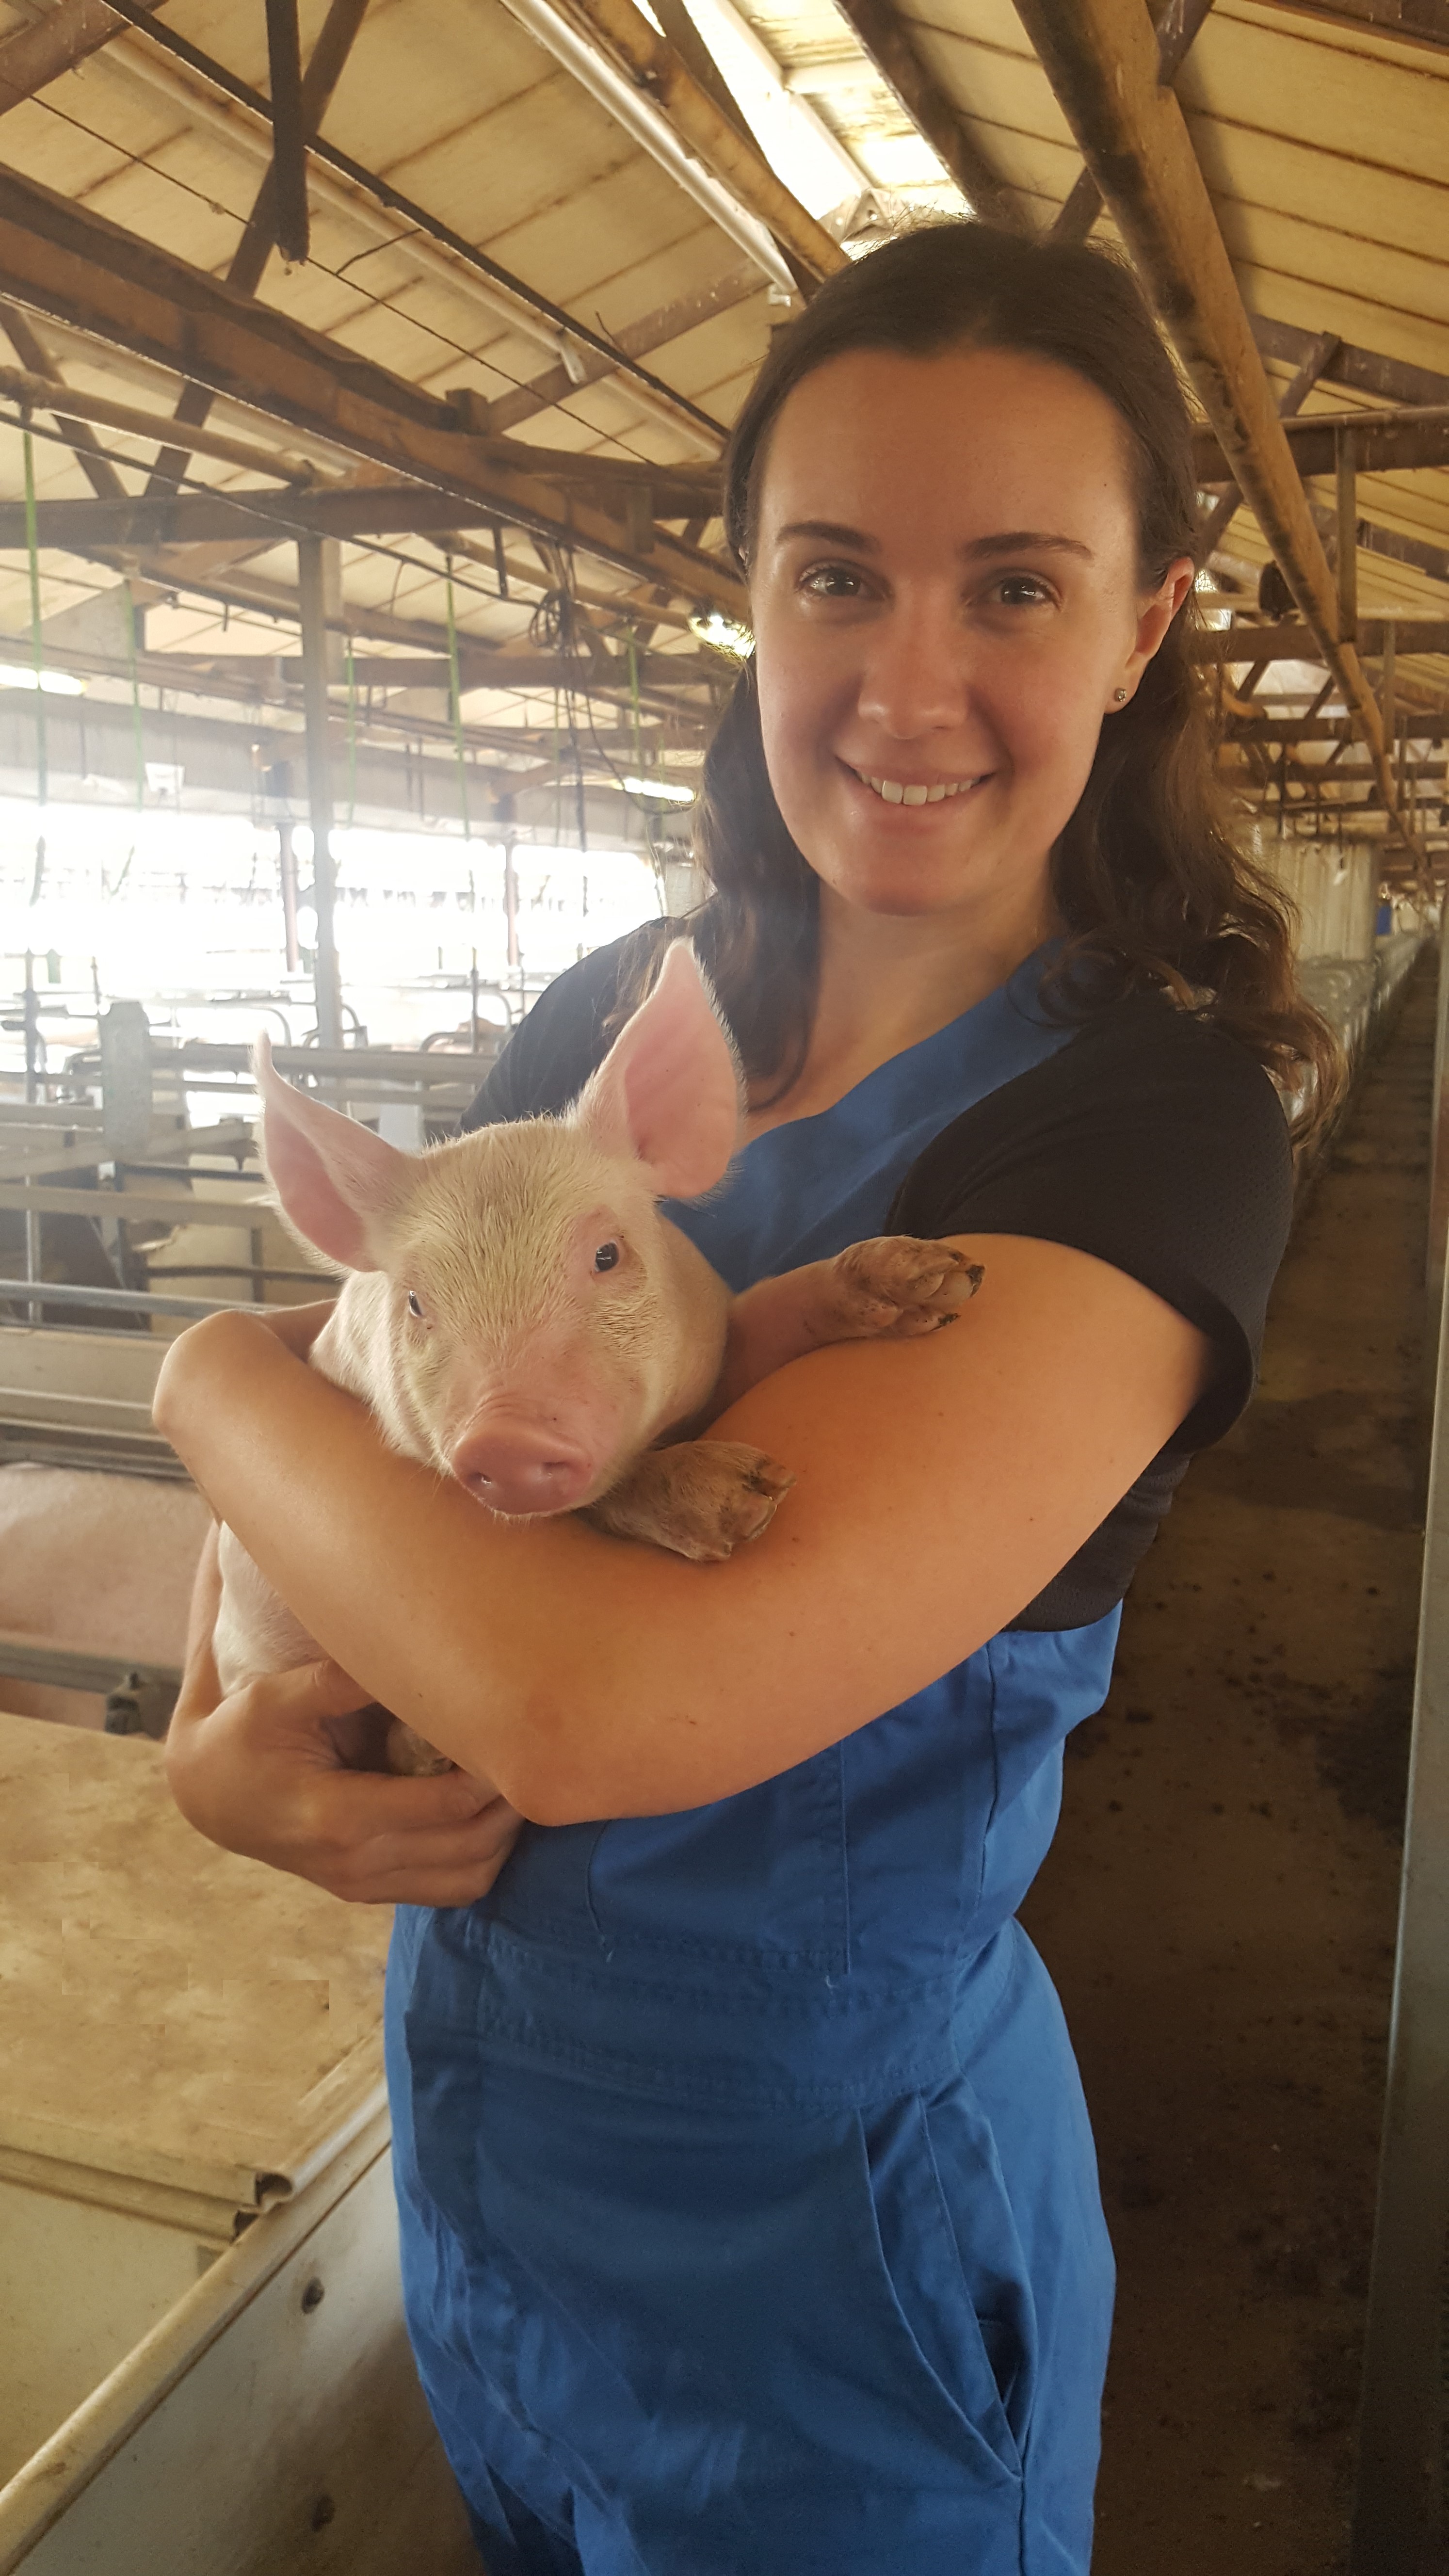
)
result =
(949, 2257)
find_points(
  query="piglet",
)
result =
(519, 1313)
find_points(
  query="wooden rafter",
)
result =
(1396, 441)
(1295, 643)
(60, 259)
(80, 438)
(504, 291)
(35, 56)
(652, 63)
(1101, 57)
(1178, 23)
(339, 32)
(888, 40)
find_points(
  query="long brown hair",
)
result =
(1147, 876)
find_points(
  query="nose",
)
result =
(916, 681)
(519, 1470)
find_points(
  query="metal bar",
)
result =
(312, 595)
(23, 1660)
(134, 1301)
(1399, 2519)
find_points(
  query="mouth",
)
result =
(902, 791)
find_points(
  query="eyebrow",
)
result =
(1009, 541)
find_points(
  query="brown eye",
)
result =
(414, 1303)
(607, 1257)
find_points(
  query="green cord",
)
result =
(42, 766)
(455, 700)
(135, 711)
(351, 737)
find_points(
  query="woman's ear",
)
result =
(1154, 616)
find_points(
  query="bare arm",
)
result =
(940, 1485)
(267, 1773)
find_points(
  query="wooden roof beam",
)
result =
(267, 519)
(63, 260)
(432, 243)
(1434, 728)
(1101, 57)
(260, 238)
(887, 39)
(1399, 440)
(650, 64)
(1293, 643)
(82, 441)
(36, 55)
(1178, 23)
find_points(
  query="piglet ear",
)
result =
(336, 1183)
(669, 1089)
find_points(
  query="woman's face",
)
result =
(945, 598)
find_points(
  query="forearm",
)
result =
(590, 1677)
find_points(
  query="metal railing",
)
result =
(1401, 2509)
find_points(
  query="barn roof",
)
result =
(458, 309)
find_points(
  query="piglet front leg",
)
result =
(894, 1287)
(698, 1498)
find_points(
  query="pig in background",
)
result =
(521, 1316)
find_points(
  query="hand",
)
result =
(266, 1773)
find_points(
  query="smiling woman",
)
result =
(749, 2207)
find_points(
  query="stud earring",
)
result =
(1121, 696)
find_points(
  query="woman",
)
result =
(749, 2209)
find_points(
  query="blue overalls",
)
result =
(749, 2206)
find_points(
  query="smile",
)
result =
(892, 791)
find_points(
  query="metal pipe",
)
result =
(287, 867)
(1401, 2511)
(133, 1301)
(640, 118)
(311, 588)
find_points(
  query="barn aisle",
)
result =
(1219, 1908)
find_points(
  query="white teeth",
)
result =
(893, 793)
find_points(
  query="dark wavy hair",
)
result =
(1148, 877)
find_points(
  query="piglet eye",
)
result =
(414, 1302)
(607, 1257)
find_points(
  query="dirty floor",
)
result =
(1219, 1907)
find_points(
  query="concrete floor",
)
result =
(1219, 1907)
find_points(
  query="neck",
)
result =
(888, 980)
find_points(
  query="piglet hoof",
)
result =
(896, 1287)
(411, 1756)
(698, 1498)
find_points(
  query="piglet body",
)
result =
(520, 1315)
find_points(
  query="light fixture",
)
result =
(666, 789)
(56, 684)
(711, 626)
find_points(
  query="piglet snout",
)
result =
(518, 1470)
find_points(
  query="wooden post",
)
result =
(311, 585)
(1347, 478)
